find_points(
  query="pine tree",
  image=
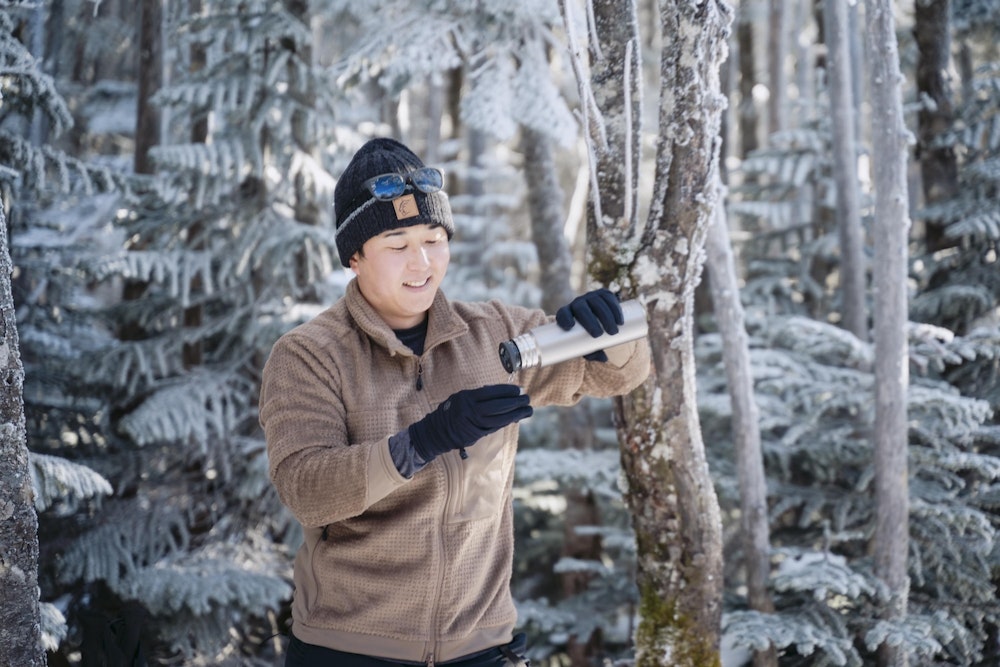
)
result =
(217, 253)
(813, 385)
(31, 177)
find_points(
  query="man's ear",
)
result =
(353, 262)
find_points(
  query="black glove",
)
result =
(598, 312)
(466, 416)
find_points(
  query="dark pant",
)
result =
(301, 654)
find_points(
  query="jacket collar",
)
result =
(443, 322)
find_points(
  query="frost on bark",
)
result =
(674, 509)
(20, 628)
(891, 226)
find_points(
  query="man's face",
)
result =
(399, 272)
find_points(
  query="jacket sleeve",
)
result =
(318, 474)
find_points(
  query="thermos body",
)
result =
(551, 344)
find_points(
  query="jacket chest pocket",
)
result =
(479, 482)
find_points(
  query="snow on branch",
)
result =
(202, 406)
(57, 479)
(54, 628)
(116, 550)
(176, 270)
(819, 574)
(806, 632)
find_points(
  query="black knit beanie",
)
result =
(359, 216)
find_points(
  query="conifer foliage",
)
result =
(147, 318)
(814, 384)
(146, 305)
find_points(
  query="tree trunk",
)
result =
(435, 115)
(674, 509)
(150, 71)
(777, 52)
(748, 117)
(39, 129)
(855, 39)
(891, 225)
(745, 423)
(545, 201)
(805, 63)
(147, 120)
(193, 352)
(845, 166)
(938, 164)
(20, 623)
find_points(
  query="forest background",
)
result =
(167, 172)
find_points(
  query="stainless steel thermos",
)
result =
(550, 344)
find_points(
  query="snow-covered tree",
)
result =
(32, 175)
(149, 321)
(145, 314)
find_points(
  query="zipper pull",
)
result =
(430, 660)
(420, 376)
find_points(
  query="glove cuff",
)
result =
(417, 442)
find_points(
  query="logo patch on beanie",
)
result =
(406, 207)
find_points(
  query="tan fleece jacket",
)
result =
(406, 569)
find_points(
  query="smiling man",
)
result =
(399, 272)
(391, 430)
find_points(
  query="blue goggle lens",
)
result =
(427, 179)
(386, 187)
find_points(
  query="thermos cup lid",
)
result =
(510, 356)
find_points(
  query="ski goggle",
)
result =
(386, 187)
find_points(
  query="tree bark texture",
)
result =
(674, 509)
(938, 163)
(745, 423)
(845, 164)
(616, 80)
(20, 623)
(891, 226)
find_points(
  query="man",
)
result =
(391, 429)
